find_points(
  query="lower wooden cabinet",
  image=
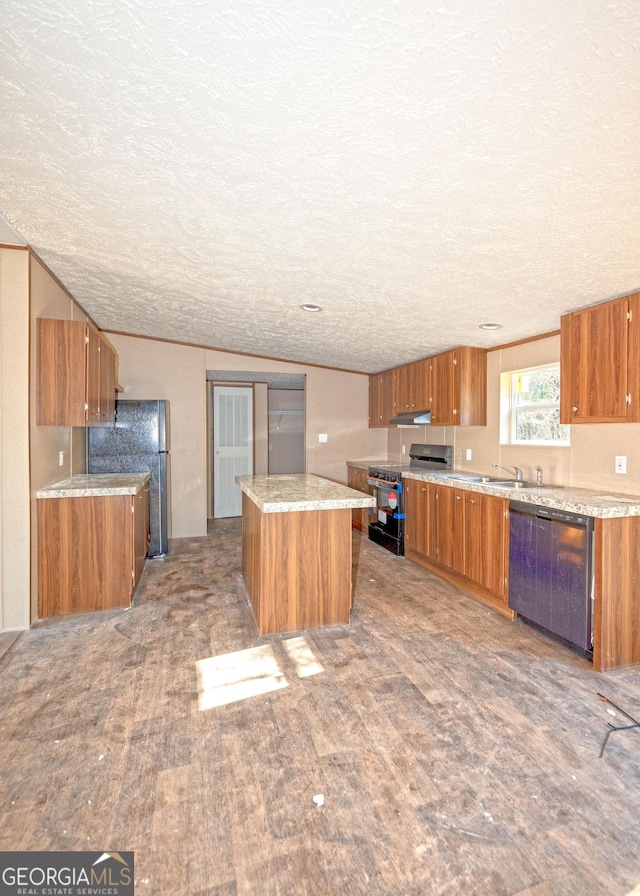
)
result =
(91, 551)
(461, 534)
(417, 520)
(447, 527)
(358, 478)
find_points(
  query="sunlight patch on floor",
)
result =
(237, 676)
(252, 672)
(302, 656)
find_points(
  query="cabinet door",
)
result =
(93, 376)
(374, 400)
(416, 511)
(357, 478)
(382, 397)
(422, 384)
(444, 389)
(84, 554)
(140, 507)
(471, 385)
(388, 380)
(404, 388)
(413, 386)
(486, 546)
(459, 387)
(60, 372)
(593, 364)
(448, 529)
(107, 382)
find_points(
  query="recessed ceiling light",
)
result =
(310, 307)
(490, 326)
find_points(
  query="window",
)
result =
(534, 407)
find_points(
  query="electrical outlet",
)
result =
(621, 463)
(404, 449)
(323, 437)
(468, 454)
(61, 458)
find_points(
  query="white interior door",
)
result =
(232, 446)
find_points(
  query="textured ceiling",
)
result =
(197, 170)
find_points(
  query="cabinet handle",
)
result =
(472, 501)
(457, 497)
(423, 489)
(574, 409)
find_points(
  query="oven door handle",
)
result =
(382, 483)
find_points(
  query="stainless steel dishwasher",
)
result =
(550, 571)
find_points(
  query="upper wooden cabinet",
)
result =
(108, 367)
(413, 386)
(452, 385)
(382, 397)
(75, 375)
(459, 387)
(600, 363)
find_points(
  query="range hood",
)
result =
(411, 418)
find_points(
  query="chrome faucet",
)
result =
(538, 475)
(516, 471)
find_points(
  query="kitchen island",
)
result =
(296, 550)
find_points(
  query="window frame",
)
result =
(512, 408)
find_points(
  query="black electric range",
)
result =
(387, 529)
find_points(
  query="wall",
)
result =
(162, 370)
(14, 439)
(286, 431)
(260, 428)
(587, 463)
(29, 454)
(337, 404)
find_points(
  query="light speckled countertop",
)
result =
(95, 485)
(300, 491)
(575, 500)
(590, 502)
(379, 462)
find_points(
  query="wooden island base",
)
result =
(297, 567)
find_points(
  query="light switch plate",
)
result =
(323, 437)
(468, 454)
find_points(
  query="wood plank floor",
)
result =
(456, 751)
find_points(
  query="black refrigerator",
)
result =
(138, 442)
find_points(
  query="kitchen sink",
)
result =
(518, 483)
(499, 483)
(512, 483)
(463, 478)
